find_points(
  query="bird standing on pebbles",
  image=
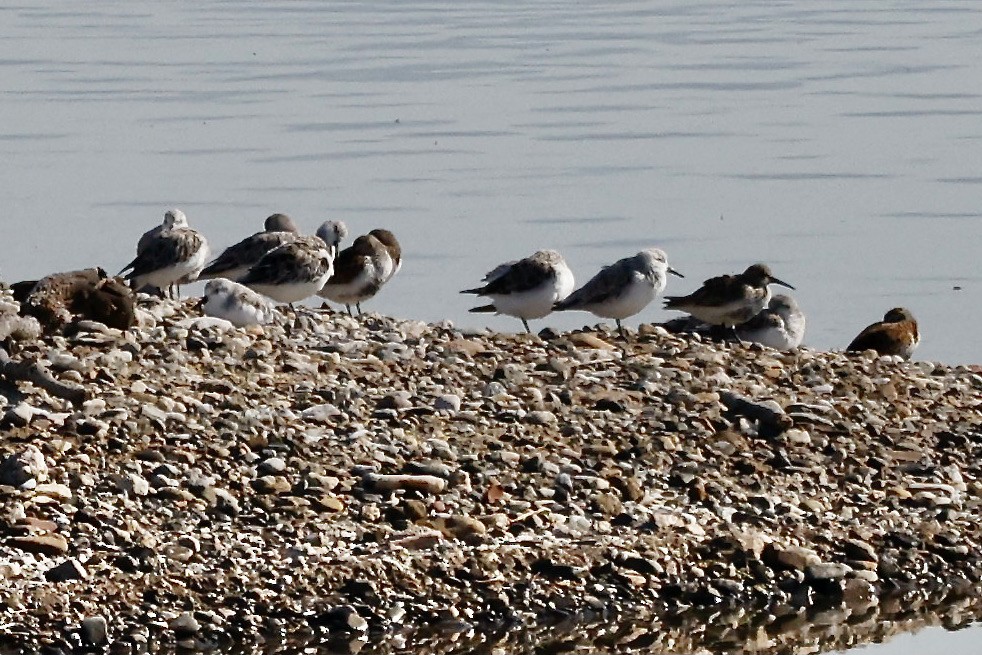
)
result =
(896, 334)
(172, 257)
(527, 288)
(729, 300)
(236, 260)
(291, 272)
(781, 325)
(359, 272)
(624, 288)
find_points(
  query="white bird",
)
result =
(527, 288)
(293, 271)
(624, 288)
(236, 303)
(359, 272)
(236, 260)
(781, 325)
(332, 233)
(173, 257)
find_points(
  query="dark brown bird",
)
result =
(896, 334)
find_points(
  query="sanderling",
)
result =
(624, 288)
(729, 300)
(236, 260)
(236, 303)
(781, 325)
(393, 248)
(896, 334)
(173, 257)
(293, 271)
(331, 233)
(173, 218)
(527, 288)
(359, 272)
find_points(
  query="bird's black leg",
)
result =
(620, 329)
(358, 306)
(348, 307)
(526, 324)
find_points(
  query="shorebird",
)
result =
(896, 334)
(331, 233)
(624, 288)
(392, 247)
(781, 325)
(729, 300)
(359, 272)
(236, 303)
(291, 272)
(173, 257)
(527, 288)
(236, 260)
(173, 218)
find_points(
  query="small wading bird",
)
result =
(236, 303)
(729, 300)
(781, 325)
(527, 288)
(332, 233)
(293, 271)
(171, 257)
(896, 334)
(236, 260)
(624, 288)
(359, 272)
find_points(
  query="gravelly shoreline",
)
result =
(327, 476)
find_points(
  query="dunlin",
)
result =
(527, 288)
(624, 288)
(729, 300)
(896, 334)
(236, 260)
(781, 325)
(293, 271)
(236, 303)
(359, 272)
(173, 257)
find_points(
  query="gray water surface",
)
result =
(838, 141)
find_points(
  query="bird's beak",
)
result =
(674, 272)
(774, 280)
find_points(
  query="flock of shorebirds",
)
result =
(281, 265)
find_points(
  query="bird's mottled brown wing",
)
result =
(609, 283)
(246, 252)
(286, 264)
(878, 337)
(166, 250)
(715, 291)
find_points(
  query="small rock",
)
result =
(44, 544)
(541, 417)
(94, 631)
(271, 466)
(19, 468)
(70, 569)
(447, 402)
(185, 626)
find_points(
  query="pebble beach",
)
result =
(367, 480)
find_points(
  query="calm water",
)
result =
(838, 141)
